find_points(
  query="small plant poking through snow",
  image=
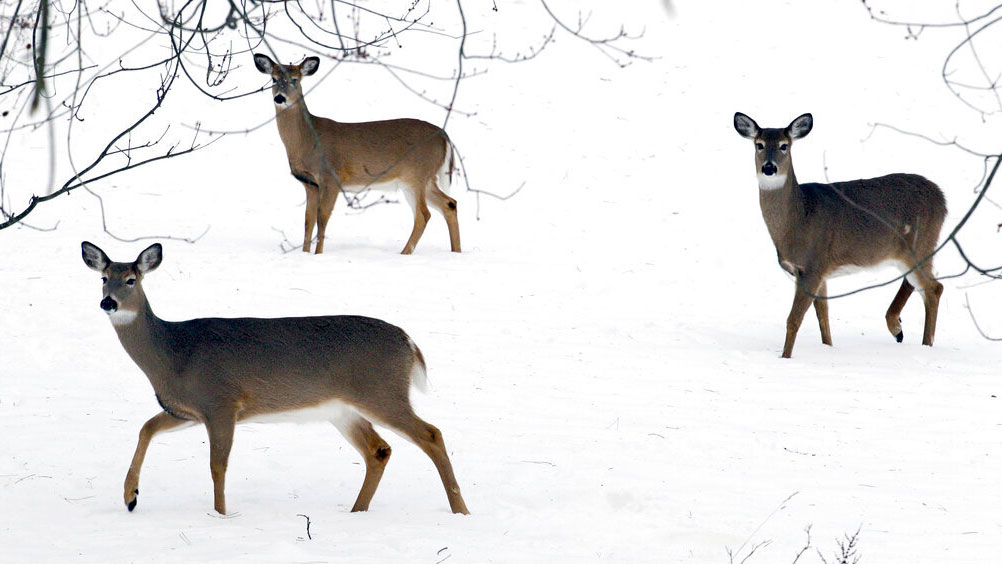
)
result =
(847, 552)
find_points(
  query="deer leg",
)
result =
(446, 205)
(421, 216)
(429, 439)
(373, 449)
(156, 424)
(893, 315)
(931, 296)
(220, 442)
(328, 195)
(807, 288)
(931, 292)
(821, 308)
(312, 207)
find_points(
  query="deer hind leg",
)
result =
(419, 204)
(328, 195)
(807, 288)
(893, 315)
(447, 205)
(429, 439)
(312, 208)
(157, 424)
(821, 308)
(373, 449)
(931, 291)
(220, 442)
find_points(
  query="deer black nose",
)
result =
(769, 169)
(109, 305)
(279, 99)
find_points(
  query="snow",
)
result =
(603, 357)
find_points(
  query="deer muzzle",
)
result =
(109, 305)
(769, 168)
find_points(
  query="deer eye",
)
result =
(131, 281)
(759, 146)
(784, 147)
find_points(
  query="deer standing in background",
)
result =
(823, 230)
(348, 370)
(329, 156)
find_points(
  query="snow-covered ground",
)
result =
(604, 354)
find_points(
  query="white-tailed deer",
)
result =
(823, 230)
(329, 156)
(348, 370)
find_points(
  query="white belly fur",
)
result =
(847, 269)
(334, 411)
(387, 186)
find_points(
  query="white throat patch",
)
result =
(774, 182)
(122, 317)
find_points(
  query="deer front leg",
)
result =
(328, 195)
(807, 288)
(312, 208)
(220, 442)
(821, 308)
(159, 422)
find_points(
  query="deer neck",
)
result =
(783, 211)
(298, 129)
(294, 122)
(145, 337)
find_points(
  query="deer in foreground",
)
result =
(328, 156)
(824, 230)
(349, 370)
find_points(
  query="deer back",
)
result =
(864, 222)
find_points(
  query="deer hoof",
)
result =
(132, 504)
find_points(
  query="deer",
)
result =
(350, 370)
(328, 157)
(825, 230)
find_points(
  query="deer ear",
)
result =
(263, 63)
(149, 259)
(310, 65)
(746, 126)
(800, 127)
(94, 257)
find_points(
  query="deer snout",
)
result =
(769, 168)
(279, 99)
(109, 305)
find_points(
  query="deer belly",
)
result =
(847, 269)
(334, 411)
(377, 186)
